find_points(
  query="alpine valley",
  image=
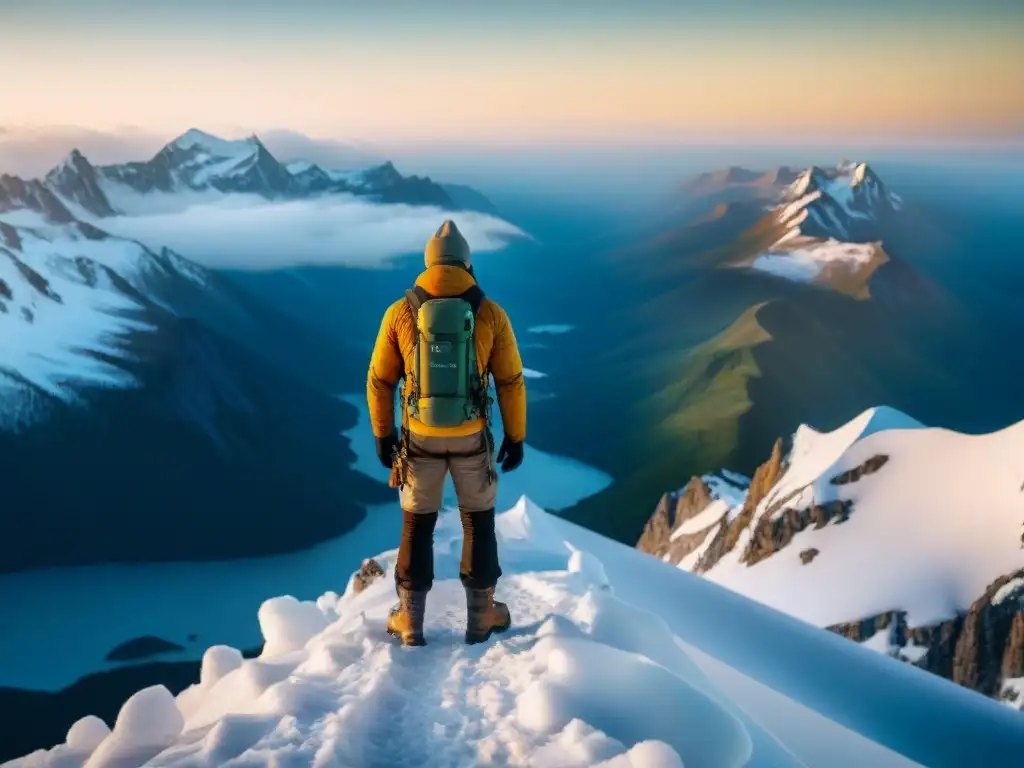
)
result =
(147, 403)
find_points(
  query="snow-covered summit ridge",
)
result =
(913, 518)
(613, 660)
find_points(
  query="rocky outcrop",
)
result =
(10, 236)
(728, 533)
(869, 467)
(77, 180)
(35, 195)
(772, 534)
(980, 649)
(808, 555)
(672, 511)
(368, 573)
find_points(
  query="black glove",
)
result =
(510, 455)
(386, 447)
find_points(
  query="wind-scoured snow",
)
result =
(613, 660)
(919, 538)
(217, 600)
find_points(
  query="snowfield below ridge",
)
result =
(588, 675)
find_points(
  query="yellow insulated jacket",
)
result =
(496, 352)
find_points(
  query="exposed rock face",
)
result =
(10, 236)
(808, 555)
(979, 650)
(869, 467)
(16, 193)
(673, 510)
(76, 179)
(727, 536)
(366, 575)
(772, 534)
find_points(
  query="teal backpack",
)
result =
(447, 389)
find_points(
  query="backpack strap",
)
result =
(474, 296)
(416, 296)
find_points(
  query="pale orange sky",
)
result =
(632, 78)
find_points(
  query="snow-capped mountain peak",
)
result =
(77, 181)
(853, 186)
(199, 160)
(195, 138)
(828, 227)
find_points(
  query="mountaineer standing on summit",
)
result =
(445, 338)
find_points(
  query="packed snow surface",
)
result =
(613, 660)
(928, 531)
(217, 601)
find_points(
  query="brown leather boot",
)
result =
(406, 619)
(484, 615)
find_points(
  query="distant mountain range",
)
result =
(197, 162)
(149, 409)
(850, 530)
(780, 297)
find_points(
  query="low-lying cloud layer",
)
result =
(338, 230)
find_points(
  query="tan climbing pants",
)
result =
(431, 458)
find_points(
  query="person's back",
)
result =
(445, 339)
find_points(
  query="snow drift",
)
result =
(614, 659)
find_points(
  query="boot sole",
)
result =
(477, 639)
(413, 642)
